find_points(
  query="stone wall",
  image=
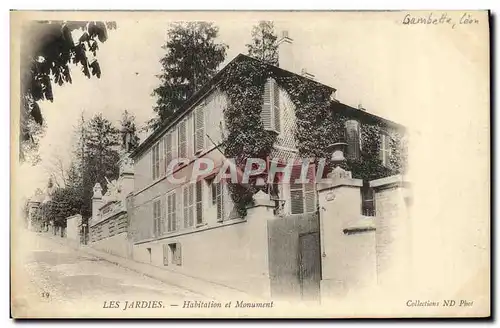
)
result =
(234, 254)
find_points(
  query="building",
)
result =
(109, 221)
(277, 248)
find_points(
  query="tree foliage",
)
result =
(192, 59)
(100, 158)
(264, 45)
(48, 50)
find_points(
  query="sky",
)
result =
(434, 79)
(129, 59)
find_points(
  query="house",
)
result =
(275, 249)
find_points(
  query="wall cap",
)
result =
(327, 184)
(390, 181)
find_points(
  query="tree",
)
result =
(48, 48)
(264, 43)
(192, 59)
(100, 158)
(128, 132)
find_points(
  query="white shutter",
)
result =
(183, 139)
(199, 202)
(310, 191)
(276, 106)
(219, 200)
(164, 217)
(167, 147)
(199, 128)
(185, 202)
(296, 192)
(161, 157)
(266, 115)
(191, 205)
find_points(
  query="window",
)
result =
(367, 200)
(302, 195)
(270, 114)
(155, 153)
(171, 212)
(352, 138)
(157, 230)
(175, 251)
(217, 200)
(199, 127)
(385, 149)
(189, 206)
(199, 202)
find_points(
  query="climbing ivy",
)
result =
(317, 126)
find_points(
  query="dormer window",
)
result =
(270, 115)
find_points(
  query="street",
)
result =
(57, 275)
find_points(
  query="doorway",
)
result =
(309, 266)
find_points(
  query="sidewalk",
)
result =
(195, 285)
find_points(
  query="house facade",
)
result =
(193, 226)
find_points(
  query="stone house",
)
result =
(313, 239)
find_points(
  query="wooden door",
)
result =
(309, 266)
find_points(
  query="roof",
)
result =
(209, 86)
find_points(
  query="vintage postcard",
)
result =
(241, 164)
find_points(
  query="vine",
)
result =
(317, 126)
(243, 84)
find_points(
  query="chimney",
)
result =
(305, 73)
(333, 96)
(360, 107)
(285, 52)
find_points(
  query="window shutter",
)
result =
(191, 205)
(173, 214)
(167, 146)
(220, 210)
(175, 146)
(310, 190)
(297, 201)
(214, 193)
(296, 191)
(186, 206)
(163, 217)
(199, 134)
(183, 139)
(178, 208)
(199, 202)
(266, 107)
(169, 213)
(276, 106)
(161, 157)
(352, 138)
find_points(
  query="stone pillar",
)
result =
(347, 238)
(97, 201)
(393, 237)
(126, 176)
(258, 248)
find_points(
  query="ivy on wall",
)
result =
(317, 127)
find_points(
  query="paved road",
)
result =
(57, 275)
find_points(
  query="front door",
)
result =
(309, 266)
